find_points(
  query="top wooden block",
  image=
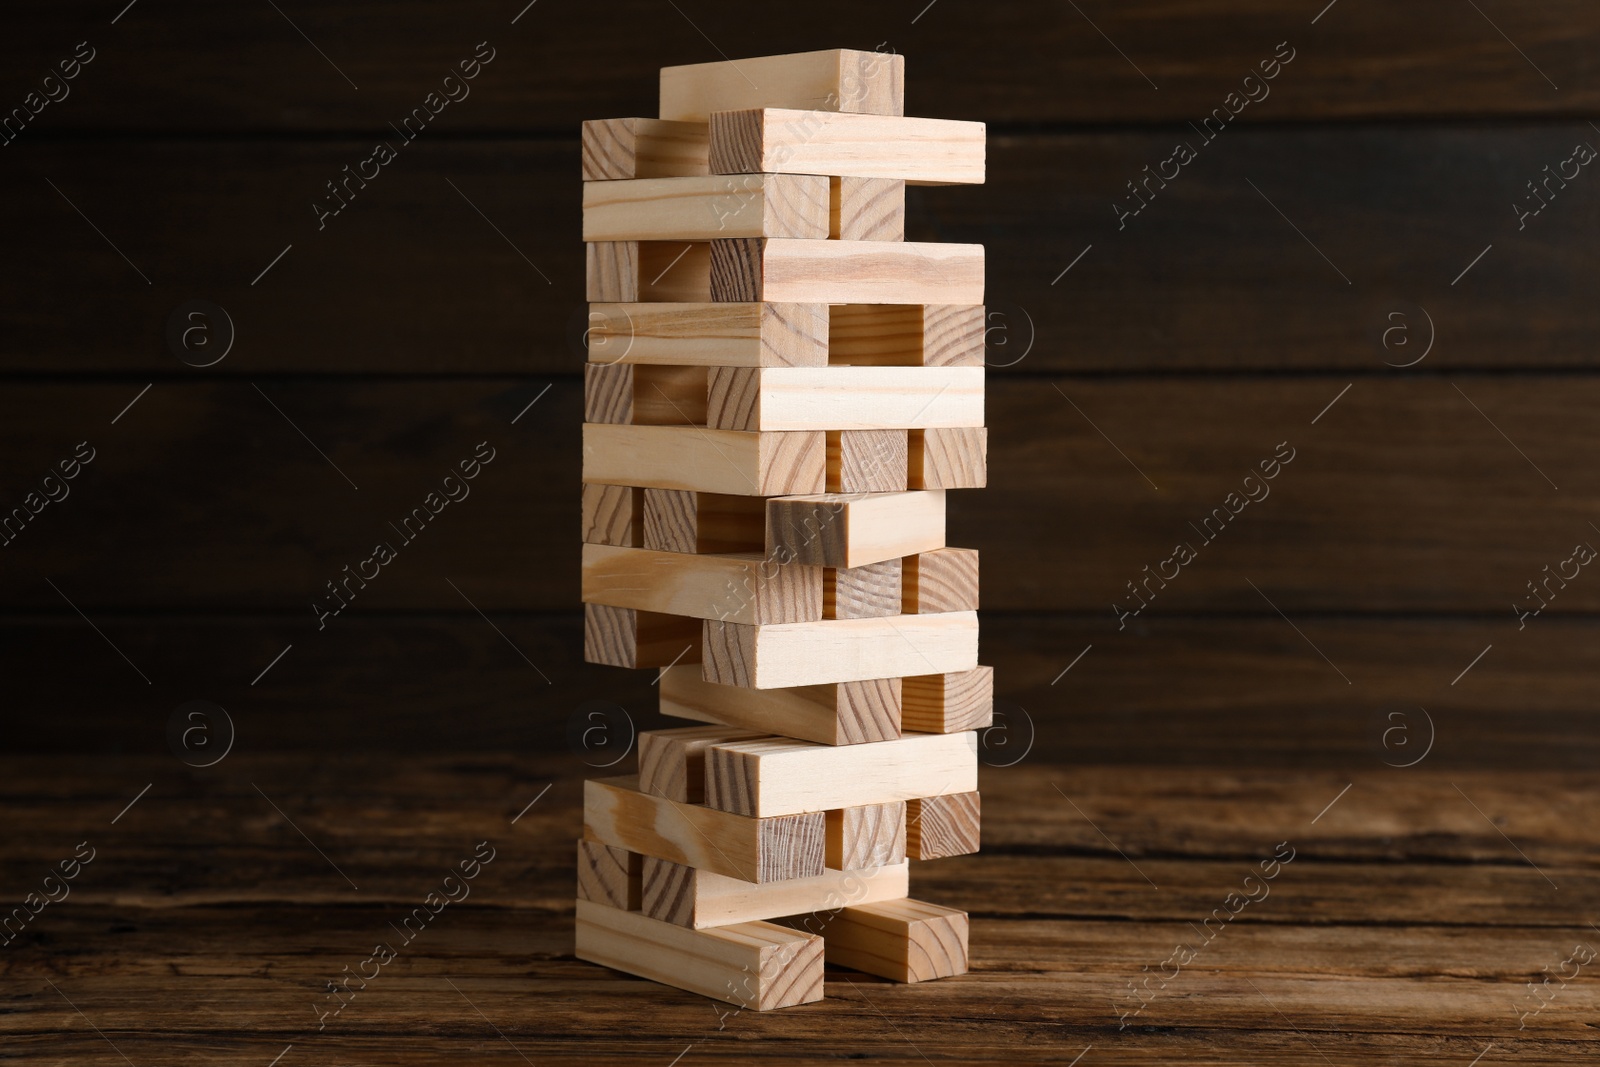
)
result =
(836, 79)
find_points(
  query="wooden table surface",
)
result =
(1418, 905)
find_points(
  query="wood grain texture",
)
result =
(949, 458)
(920, 151)
(867, 836)
(648, 271)
(868, 592)
(842, 713)
(679, 520)
(902, 940)
(835, 79)
(711, 461)
(868, 461)
(945, 579)
(866, 209)
(672, 763)
(834, 272)
(618, 813)
(643, 148)
(608, 390)
(713, 206)
(948, 703)
(906, 335)
(610, 876)
(938, 827)
(844, 398)
(842, 650)
(741, 587)
(613, 515)
(780, 776)
(623, 637)
(854, 530)
(707, 334)
(685, 896)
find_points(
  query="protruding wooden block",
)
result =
(950, 458)
(902, 940)
(844, 398)
(614, 515)
(865, 209)
(871, 835)
(945, 579)
(780, 776)
(644, 148)
(623, 637)
(625, 393)
(679, 520)
(906, 335)
(921, 151)
(869, 592)
(740, 587)
(709, 334)
(707, 461)
(840, 713)
(699, 899)
(836, 272)
(937, 827)
(839, 650)
(617, 813)
(868, 461)
(714, 206)
(949, 703)
(648, 271)
(672, 763)
(845, 530)
(756, 965)
(609, 875)
(835, 79)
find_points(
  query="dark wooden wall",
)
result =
(1173, 356)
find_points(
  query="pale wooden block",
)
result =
(868, 461)
(838, 650)
(840, 713)
(756, 965)
(678, 520)
(837, 272)
(718, 205)
(788, 141)
(948, 703)
(626, 394)
(906, 335)
(617, 813)
(780, 776)
(849, 530)
(607, 393)
(623, 637)
(609, 875)
(672, 763)
(945, 579)
(871, 835)
(709, 461)
(699, 899)
(614, 515)
(953, 335)
(835, 79)
(648, 271)
(864, 209)
(644, 148)
(843, 398)
(709, 334)
(902, 940)
(734, 586)
(937, 827)
(950, 458)
(869, 592)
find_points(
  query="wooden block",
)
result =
(617, 813)
(740, 587)
(868, 461)
(614, 515)
(644, 148)
(709, 335)
(607, 393)
(708, 461)
(937, 827)
(840, 713)
(948, 703)
(838, 272)
(672, 763)
(869, 592)
(906, 335)
(843, 398)
(950, 458)
(788, 141)
(864, 209)
(625, 393)
(698, 899)
(838, 650)
(850, 530)
(836, 79)
(945, 579)
(623, 637)
(871, 835)
(717, 205)
(902, 940)
(756, 965)
(779, 776)
(609, 875)
(679, 520)
(648, 271)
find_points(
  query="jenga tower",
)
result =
(779, 391)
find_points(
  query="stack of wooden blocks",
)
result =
(779, 391)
